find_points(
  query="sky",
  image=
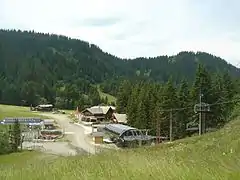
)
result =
(134, 28)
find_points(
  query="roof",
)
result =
(99, 109)
(143, 138)
(95, 110)
(105, 109)
(113, 107)
(120, 117)
(97, 134)
(45, 105)
(118, 128)
(22, 120)
(48, 121)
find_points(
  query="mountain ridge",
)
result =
(105, 51)
(48, 66)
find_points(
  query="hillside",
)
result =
(39, 68)
(212, 156)
(182, 65)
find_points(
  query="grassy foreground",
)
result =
(212, 156)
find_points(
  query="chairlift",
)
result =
(195, 126)
(202, 107)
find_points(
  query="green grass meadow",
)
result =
(16, 111)
(213, 156)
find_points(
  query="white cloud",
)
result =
(134, 28)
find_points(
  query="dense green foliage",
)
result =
(10, 135)
(5, 146)
(39, 68)
(10, 138)
(146, 102)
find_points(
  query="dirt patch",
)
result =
(55, 148)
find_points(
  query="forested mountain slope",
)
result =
(183, 65)
(36, 67)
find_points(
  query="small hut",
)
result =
(44, 107)
(98, 137)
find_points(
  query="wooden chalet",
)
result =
(97, 113)
(119, 118)
(44, 107)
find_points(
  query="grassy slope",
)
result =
(16, 111)
(212, 156)
(104, 95)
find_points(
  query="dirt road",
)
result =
(75, 134)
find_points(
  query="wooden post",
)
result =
(140, 143)
(200, 114)
(22, 139)
(158, 132)
(203, 123)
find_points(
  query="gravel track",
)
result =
(78, 142)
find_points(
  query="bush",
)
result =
(4, 143)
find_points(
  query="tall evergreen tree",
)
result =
(183, 115)
(4, 143)
(224, 91)
(15, 136)
(202, 85)
(143, 108)
(123, 96)
(132, 105)
(217, 116)
(202, 88)
(169, 101)
(229, 91)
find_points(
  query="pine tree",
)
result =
(224, 91)
(218, 97)
(142, 114)
(4, 143)
(202, 87)
(169, 101)
(183, 115)
(123, 97)
(15, 136)
(228, 93)
(153, 106)
(157, 119)
(132, 104)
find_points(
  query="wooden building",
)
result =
(97, 114)
(119, 118)
(98, 137)
(44, 107)
(49, 123)
(126, 136)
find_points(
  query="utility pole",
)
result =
(158, 131)
(158, 124)
(202, 108)
(200, 113)
(204, 122)
(171, 124)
